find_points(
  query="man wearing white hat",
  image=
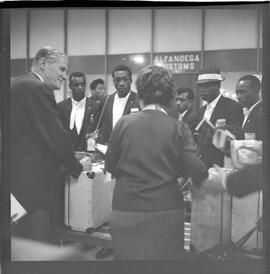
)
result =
(219, 110)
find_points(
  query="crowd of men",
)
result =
(44, 134)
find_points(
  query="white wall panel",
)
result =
(46, 29)
(230, 29)
(178, 30)
(86, 32)
(129, 31)
(18, 33)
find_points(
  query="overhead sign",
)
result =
(179, 62)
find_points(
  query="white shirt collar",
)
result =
(78, 102)
(155, 107)
(122, 98)
(40, 78)
(253, 106)
(184, 113)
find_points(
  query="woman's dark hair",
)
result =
(156, 85)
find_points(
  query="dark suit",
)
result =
(191, 118)
(90, 120)
(254, 123)
(106, 124)
(39, 146)
(224, 109)
(245, 181)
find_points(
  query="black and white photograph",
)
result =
(135, 135)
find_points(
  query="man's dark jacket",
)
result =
(106, 124)
(90, 120)
(254, 122)
(39, 143)
(225, 109)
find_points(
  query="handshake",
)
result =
(85, 160)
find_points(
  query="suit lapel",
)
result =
(130, 102)
(87, 114)
(69, 106)
(251, 115)
(186, 116)
(201, 112)
(110, 107)
(217, 110)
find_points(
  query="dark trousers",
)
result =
(148, 235)
(36, 226)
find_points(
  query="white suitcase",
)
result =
(246, 212)
(85, 201)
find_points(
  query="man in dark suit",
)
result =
(219, 110)
(39, 143)
(121, 102)
(79, 113)
(248, 94)
(184, 102)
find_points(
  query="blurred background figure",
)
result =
(97, 89)
(248, 94)
(147, 152)
(184, 101)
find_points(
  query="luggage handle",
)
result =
(244, 239)
(91, 174)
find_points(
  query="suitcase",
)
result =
(86, 206)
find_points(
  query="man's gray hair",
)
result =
(49, 53)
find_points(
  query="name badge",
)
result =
(134, 110)
(91, 144)
(220, 123)
(250, 136)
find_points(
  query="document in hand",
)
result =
(16, 209)
(222, 139)
(204, 123)
(102, 148)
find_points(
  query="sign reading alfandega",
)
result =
(179, 62)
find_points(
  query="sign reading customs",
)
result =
(179, 62)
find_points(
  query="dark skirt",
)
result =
(147, 235)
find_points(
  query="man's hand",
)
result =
(216, 181)
(86, 163)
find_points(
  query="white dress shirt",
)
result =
(77, 114)
(248, 111)
(118, 107)
(210, 108)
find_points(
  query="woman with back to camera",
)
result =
(147, 152)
